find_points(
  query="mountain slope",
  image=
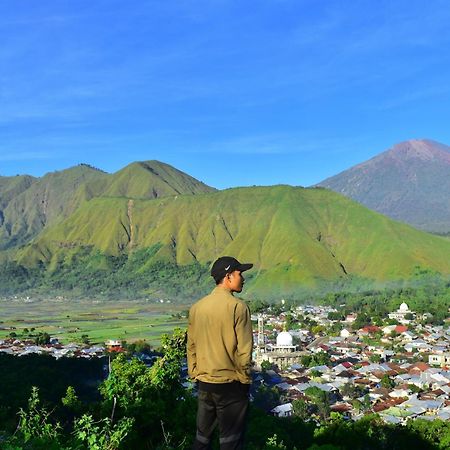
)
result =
(145, 179)
(10, 187)
(409, 182)
(294, 236)
(41, 203)
(44, 201)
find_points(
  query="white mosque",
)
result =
(401, 312)
(284, 353)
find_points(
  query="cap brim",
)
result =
(244, 267)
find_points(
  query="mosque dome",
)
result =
(284, 339)
(404, 307)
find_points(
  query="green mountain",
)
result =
(29, 205)
(39, 203)
(10, 187)
(296, 237)
(145, 180)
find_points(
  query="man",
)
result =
(219, 349)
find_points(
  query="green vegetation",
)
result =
(29, 205)
(50, 376)
(36, 203)
(317, 359)
(302, 241)
(91, 274)
(427, 293)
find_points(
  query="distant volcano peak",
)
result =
(409, 182)
(422, 149)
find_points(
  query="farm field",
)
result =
(99, 320)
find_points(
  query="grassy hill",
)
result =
(40, 202)
(28, 205)
(144, 180)
(10, 187)
(296, 237)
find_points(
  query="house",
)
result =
(285, 410)
(407, 336)
(350, 318)
(439, 359)
(114, 345)
(345, 333)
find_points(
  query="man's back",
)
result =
(220, 339)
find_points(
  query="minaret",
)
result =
(260, 331)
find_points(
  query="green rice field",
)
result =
(100, 320)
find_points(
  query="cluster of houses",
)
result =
(22, 347)
(401, 374)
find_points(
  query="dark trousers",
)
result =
(224, 405)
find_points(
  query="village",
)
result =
(400, 371)
(310, 361)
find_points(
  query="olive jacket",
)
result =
(220, 339)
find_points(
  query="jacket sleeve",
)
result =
(244, 335)
(191, 350)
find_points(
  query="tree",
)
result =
(289, 321)
(273, 444)
(317, 329)
(266, 398)
(128, 383)
(366, 404)
(140, 346)
(351, 390)
(42, 339)
(71, 401)
(301, 408)
(266, 365)
(387, 382)
(103, 434)
(321, 400)
(357, 405)
(315, 373)
(34, 422)
(166, 371)
(320, 359)
(335, 315)
(414, 389)
(306, 360)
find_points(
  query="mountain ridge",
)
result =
(44, 201)
(295, 236)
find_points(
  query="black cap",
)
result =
(227, 264)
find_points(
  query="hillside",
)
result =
(144, 179)
(28, 205)
(10, 187)
(40, 202)
(409, 182)
(296, 237)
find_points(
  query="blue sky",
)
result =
(232, 92)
